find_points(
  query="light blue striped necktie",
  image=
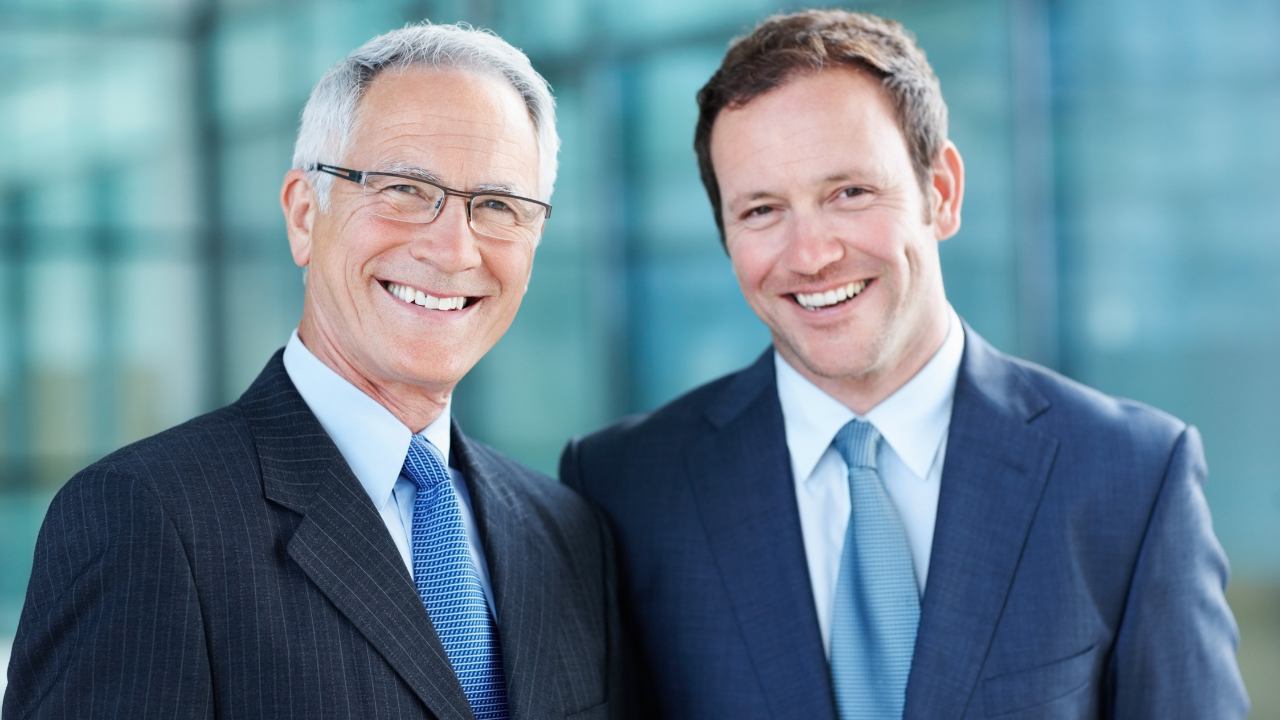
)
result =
(450, 586)
(877, 610)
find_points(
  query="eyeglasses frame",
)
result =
(359, 177)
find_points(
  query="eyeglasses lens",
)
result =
(498, 216)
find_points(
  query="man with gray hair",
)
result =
(331, 544)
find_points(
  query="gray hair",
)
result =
(329, 118)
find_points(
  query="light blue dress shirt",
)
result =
(374, 443)
(913, 421)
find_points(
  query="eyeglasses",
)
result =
(413, 200)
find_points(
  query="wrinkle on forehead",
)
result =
(427, 175)
(499, 171)
(479, 130)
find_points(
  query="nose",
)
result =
(812, 244)
(448, 242)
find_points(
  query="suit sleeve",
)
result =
(630, 693)
(570, 472)
(623, 689)
(111, 626)
(1175, 654)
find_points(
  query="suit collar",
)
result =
(526, 578)
(742, 390)
(341, 542)
(994, 476)
(741, 482)
(998, 379)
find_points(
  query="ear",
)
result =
(298, 200)
(948, 191)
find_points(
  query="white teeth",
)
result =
(417, 297)
(814, 301)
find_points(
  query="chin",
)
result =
(836, 362)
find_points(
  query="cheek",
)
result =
(511, 266)
(752, 260)
(335, 247)
(893, 241)
(360, 246)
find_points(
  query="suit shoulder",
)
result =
(672, 420)
(525, 480)
(574, 522)
(1087, 414)
(203, 447)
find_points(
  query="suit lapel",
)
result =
(342, 544)
(992, 481)
(741, 477)
(524, 577)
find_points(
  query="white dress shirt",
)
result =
(913, 422)
(374, 443)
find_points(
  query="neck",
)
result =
(862, 392)
(414, 405)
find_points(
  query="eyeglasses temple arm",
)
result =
(354, 176)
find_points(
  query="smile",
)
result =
(431, 302)
(815, 301)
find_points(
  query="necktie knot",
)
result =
(857, 442)
(423, 465)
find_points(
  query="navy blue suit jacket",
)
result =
(1074, 572)
(234, 567)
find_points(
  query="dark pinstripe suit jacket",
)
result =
(233, 566)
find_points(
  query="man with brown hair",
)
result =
(884, 517)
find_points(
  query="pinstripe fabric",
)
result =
(234, 567)
(449, 584)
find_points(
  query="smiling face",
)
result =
(826, 225)
(465, 131)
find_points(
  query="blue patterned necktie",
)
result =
(877, 609)
(450, 586)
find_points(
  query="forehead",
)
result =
(835, 120)
(446, 121)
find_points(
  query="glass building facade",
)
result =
(1120, 225)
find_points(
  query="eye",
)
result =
(493, 203)
(407, 189)
(850, 199)
(759, 217)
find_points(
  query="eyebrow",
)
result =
(756, 195)
(413, 171)
(873, 178)
(495, 187)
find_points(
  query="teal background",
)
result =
(1120, 225)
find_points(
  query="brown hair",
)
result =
(784, 46)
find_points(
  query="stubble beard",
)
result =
(870, 363)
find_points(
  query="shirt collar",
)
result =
(371, 439)
(913, 420)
